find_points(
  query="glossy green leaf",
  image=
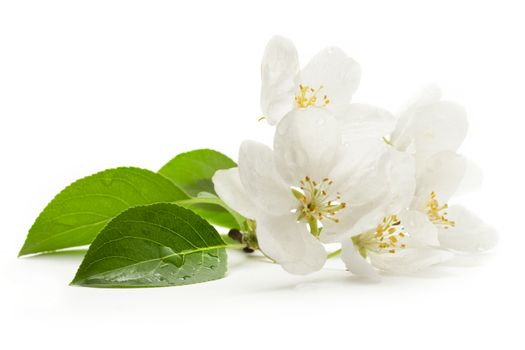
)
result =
(154, 246)
(78, 213)
(192, 171)
(214, 210)
(214, 214)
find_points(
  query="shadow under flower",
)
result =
(463, 260)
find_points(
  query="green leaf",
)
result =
(214, 214)
(192, 171)
(78, 213)
(214, 210)
(154, 246)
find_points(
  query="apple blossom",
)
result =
(312, 187)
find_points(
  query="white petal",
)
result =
(422, 232)
(469, 234)
(439, 127)
(396, 173)
(472, 179)
(357, 121)
(442, 174)
(338, 74)
(356, 174)
(428, 95)
(355, 263)
(369, 169)
(261, 181)
(290, 244)
(278, 71)
(305, 144)
(400, 175)
(356, 220)
(373, 188)
(430, 126)
(409, 260)
(230, 189)
(403, 134)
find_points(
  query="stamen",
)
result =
(437, 214)
(308, 97)
(389, 236)
(315, 202)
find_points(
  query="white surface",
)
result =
(86, 86)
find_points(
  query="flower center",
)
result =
(389, 236)
(315, 201)
(437, 214)
(308, 97)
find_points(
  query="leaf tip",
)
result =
(23, 251)
(75, 282)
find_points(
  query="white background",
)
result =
(91, 85)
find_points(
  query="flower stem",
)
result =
(231, 243)
(236, 246)
(333, 254)
(314, 227)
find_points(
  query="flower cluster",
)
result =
(352, 174)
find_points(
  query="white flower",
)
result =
(432, 130)
(403, 241)
(393, 246)
(328, 81)
(310, 180)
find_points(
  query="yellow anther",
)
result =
(436, 213)
(387, 237)
(314, 201)
(308, 97)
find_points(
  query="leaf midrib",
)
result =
(150, 240)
